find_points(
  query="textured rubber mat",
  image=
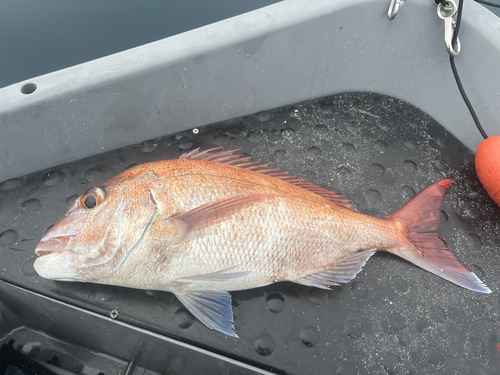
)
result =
(14, 363)
(394, 318)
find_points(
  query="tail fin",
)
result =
(423, 246)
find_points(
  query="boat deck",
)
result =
(393, 318)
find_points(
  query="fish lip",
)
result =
(54, 245)
(47, 266)
(43, 253)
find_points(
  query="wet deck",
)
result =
(394, 318)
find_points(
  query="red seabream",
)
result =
(212, 222)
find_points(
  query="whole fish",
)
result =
(212, 222)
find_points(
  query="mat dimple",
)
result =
(393, 318)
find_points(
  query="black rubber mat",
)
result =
(13, 362)
(394, 318)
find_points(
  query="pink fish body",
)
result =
(213, 222)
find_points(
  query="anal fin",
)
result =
(341, 273)
(212, 308)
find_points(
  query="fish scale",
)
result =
(212, 222)
(263, 248)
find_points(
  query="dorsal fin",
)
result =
(237, 160)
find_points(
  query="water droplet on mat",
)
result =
(221, 139)
(28, 268)
(263, 116)
(381, 145)
(343, 171)
(407, 192)
(148, 146)
(104, 294)
(409, 166)
(8, 237)
(377, 169)
(183, 318)
(9, 184)
(354, 328)
(442, 142)
(255, 137)
(93, 174)
(52, 178)
(436, 357)
(185, 143)
(309, 336)
(314, 151)
(264, 344)
(31, 205)
(275, 302)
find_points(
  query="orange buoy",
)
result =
(488, 166)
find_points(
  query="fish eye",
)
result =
(90, 201)
(93, 197)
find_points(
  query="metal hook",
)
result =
(446, 13)
(393, 9)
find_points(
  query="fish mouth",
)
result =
(66, 279)
(42, 253)
(55, 245)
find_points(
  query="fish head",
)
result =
(96, 235)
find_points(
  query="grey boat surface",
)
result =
(330, 91)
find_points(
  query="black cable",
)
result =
(457, 24)
(455, 72)
(466, 99)
(488, 3)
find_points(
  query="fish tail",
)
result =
(422, 246)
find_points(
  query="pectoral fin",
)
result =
(217, 277)
(190, 224)
(212, 308)
(341, 273)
